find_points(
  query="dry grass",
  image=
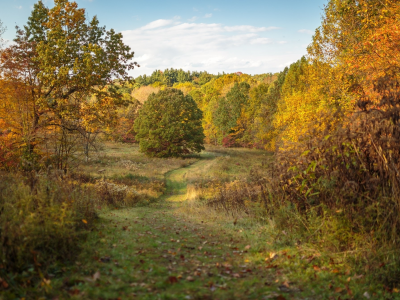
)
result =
(123, 165)
(214, 182)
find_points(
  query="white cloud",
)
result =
(306, 31)
(248, 28)
(260, 41)
(157, 23)
(207, 16)
(192, 19)
(19, 7)
(213, 47)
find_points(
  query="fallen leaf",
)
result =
(172, 279)
(74, 292)
(84, 221)
(105, 259)
(349, 291)
(247, 247)
(273, 296)
(5, 284)
(46, 281)
(284, 288)
(338, 290)
(366, 295)
(96, 276)
(316, 268)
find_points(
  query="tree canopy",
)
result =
(57, 78)
(169, 124)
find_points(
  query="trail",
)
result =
(159, 253)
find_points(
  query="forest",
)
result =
(192, 185)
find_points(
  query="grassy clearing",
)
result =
(180, 248)
(124, 165)
(305, 257)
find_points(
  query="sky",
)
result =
(253, 36)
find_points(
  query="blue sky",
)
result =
(253, 36)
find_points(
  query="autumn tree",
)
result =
(66, 65)
(169, 124)
(230, 108)
(248, 122)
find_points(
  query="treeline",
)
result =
(232, 104)
(171, 77)
(239, 110)
(262, 111)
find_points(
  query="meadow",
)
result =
(192, 185)
(198, 228)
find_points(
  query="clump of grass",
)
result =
(117, 194)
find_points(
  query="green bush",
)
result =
(169, 125)
(42, 220)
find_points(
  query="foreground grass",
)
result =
(161, 252)
(173, 250)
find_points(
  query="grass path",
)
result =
(159, 253)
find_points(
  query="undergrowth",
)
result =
(336, 196)
(42, 222)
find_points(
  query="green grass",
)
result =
(165, 251)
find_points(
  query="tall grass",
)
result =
(42, 222)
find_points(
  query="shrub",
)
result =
(117, 194)
(42, 220)
(229, 141)
(351, 178)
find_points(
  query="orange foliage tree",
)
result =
(58, 80)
